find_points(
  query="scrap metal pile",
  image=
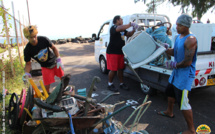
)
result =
(63, 111)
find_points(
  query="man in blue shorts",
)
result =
(184, 68)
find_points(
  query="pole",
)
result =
(20, 26)
(8, 40)
(17, 40)
(153, 7)
(28, 13)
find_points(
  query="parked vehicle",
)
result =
(154, 76)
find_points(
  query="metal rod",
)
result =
(114, 113)
(109, 96)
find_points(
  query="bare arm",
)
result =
(123, 27)
(28, 67)
(56, 52)
(190, 46)
(170, 51)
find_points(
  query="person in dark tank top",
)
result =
(183, 74)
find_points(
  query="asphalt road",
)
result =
(79, 61)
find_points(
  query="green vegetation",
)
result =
(198, 7)
(2, 50)
(12, 84)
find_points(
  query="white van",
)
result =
(156, 77)
(103, 37)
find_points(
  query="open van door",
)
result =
(101, 43)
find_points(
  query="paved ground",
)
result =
(79, 61)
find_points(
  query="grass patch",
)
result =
(2, 50)
(12, 84)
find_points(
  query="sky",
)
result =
(59, 19)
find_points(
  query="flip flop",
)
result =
(163, 114)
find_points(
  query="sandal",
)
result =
(163, 114)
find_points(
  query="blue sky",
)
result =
(71, 18)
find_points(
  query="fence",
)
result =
(11, 38)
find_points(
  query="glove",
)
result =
(59, 63)
(170, 64)
(134, 25)
(26, 76)
(165, 45)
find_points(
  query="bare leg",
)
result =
(111, 76)
(47, 88)
(169, 110)
(188, 115)
(120, 75)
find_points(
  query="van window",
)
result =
(148, 22)
(105, 29)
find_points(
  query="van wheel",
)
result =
(147, 89)
(103, 65)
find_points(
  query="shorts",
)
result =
(181, 96)
(115, 62)
(50, 73)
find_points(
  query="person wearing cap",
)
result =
(38, 48)
(183, 74)
(114, 54)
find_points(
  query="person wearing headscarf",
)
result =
(38, 48)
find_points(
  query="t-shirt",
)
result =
(116, 41)
(41, 52)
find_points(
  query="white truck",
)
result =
(156, 77)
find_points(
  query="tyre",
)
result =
(147, 89)
(103, 65)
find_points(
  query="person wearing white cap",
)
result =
(183, 74)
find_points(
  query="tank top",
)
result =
(182, 78)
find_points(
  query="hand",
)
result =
(134, 25)
(170, 64)
(59, 63)
(165, 45)
(26, 76)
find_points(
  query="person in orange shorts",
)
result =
(38, 48)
